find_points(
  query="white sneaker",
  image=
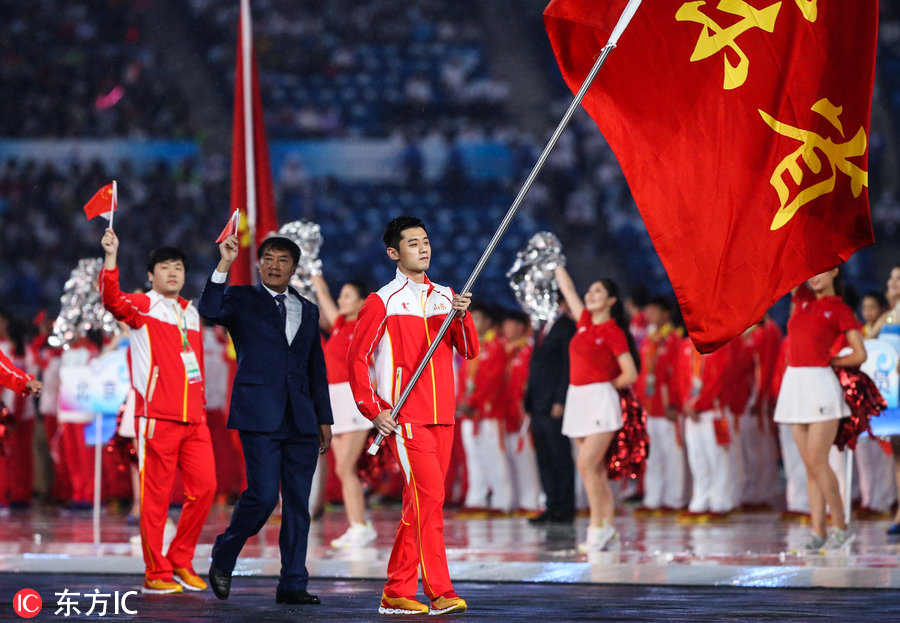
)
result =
(598, 538)
(357, 535)
(838, 539)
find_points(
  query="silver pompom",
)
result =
(81, 309)
(531, 276)
(308, 237)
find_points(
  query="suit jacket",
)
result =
(548, 373)
(269, 370)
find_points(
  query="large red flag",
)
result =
(242, 271)
(741, 128)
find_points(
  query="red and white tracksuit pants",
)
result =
(163, 447)
(423, 452)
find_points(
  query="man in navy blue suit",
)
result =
(279, 405)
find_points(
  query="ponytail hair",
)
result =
(617, 313)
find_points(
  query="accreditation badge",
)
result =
(191, 367)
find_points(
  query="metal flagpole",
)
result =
(627, 14)
(114, 203)
(249, 155)
(98, 465)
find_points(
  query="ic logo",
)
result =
(27, 603)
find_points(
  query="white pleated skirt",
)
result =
(591, 409)
(809, 395)
(347, 417)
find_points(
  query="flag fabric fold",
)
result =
(741, 128)
(250, 234)
(103, 203)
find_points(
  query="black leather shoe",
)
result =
(539, 519)
(296, 597)
(219, 581)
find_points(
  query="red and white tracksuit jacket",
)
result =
(172, 432)
(157, 371)
(395, 327)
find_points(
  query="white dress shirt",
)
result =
(292, 304)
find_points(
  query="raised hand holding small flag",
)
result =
(231, 228)
(104, 203)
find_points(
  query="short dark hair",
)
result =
(393, 233)
(279, 243)
(166, 254)
(516, 315)
(362, 290)
(662, 302)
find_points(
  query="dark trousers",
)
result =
(555, 465)
(287, 459)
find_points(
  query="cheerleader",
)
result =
(351, 428)
(602, 358)
(811, 399)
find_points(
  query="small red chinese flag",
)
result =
(103, 203)
(231, 228)
(741, 127)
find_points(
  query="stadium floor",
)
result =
(742, 569)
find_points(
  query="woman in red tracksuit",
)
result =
(811, 399)
(602, 358)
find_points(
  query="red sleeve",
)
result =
(125, 307)
(11, 376)
(489, 376)
(370, 327)
(714, 374)
(847, 321)
(464, 337)
(618, 342)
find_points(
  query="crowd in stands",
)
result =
(359, 68)
(84, 69)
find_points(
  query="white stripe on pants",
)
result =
(710, 466)
(664, 479)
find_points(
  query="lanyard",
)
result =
(181, 323)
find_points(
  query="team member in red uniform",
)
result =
(602, 359)
(21, 384)
(665, 484)
(489, 483)
(811, 399)
(350, 429)
(19, 483)
(519, 448)
(166, 370)
(757, 433)
(706, 431)
(396, 326)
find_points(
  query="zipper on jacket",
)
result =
(424, 300)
